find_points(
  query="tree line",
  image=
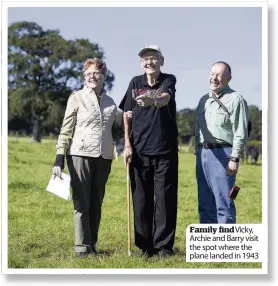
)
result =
(44, 69)
(186, 123)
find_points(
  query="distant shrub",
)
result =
(255, 143)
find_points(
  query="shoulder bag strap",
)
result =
(220, 103)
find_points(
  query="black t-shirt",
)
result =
(154, 129)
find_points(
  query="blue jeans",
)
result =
(214, 205)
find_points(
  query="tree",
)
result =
(255, 116)
(44, 69)
(186, 124)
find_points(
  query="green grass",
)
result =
(40, 224)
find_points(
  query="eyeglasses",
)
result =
(151, 59)
(93, 74)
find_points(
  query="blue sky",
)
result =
(191, 40)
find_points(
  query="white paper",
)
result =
(60, 187)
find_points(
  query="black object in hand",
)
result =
(233, 192)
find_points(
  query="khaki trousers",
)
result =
(88, 179)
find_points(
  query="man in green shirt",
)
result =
(220, 137)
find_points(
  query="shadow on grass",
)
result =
(105, 253)
(252, 164)
(178, 252)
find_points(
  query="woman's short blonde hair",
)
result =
(99, 64)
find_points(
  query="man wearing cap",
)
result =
(220, 138)
(151, 150)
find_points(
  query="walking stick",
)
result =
(128, 209)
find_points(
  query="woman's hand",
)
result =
(57, 172)
(58, 165)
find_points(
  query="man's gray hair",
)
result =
(226, 65)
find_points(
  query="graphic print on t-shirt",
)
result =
(142, 91)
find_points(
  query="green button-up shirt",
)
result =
(215, 125)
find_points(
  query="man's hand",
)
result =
(127, 154)
(144, 100)
(129, 114)
(232, 168)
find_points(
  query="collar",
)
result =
(224, 91)
(90, 90)
(158, 80)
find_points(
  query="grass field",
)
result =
(40, 224)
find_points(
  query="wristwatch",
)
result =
(234, 159)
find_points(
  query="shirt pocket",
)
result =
(220, 118)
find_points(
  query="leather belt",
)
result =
(214, 145)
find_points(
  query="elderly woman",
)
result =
(86, 140)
